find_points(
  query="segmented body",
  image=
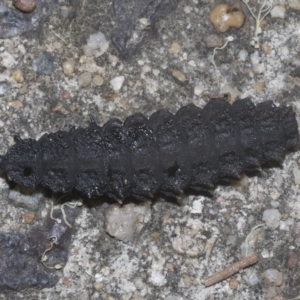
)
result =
(195, 148)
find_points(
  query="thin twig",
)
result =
(230, 270)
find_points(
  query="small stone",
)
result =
(174, 48)
(85, 79)
(23, 90)
(259, 86)
(277, 298)
(28, 201)
(278, 11)
(44, 64)
(155, 72)
(243, 54)
(96, 45)
(18, 76)
(30, 76)
(296, 172)
(98, 80)
(259, 69)
(186, 280)
(272, 218)
(273, 277)
(266, 48)
(233, 283)
(28, 217)
(64, 94)
(251, 277)
(223, 17)
(117, 83)
(66, 11)
(66, 282)
(179, 76)
(197, 205)
(285, 51)
(68, 67)
(198, 90)
(59, 108)
(230, 90)
(98, 286)
(4, 87)
(292, 259)
(6, 59)
(213, 41)
(16, 104)
(26, 6)
(125, 222)
(294, 4)
(187, 9)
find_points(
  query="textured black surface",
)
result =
(168, 153)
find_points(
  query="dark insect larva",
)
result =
(195, 148)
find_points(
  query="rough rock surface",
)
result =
(180, 244)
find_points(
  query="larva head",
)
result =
(20, 163)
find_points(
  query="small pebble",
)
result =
(174, 48)
(125, 222)
(187, 9)
(68, 67)
(294, 4)
(26, 6)
(4, 87)
(223, 17)
(273, 277)
(213, 41)
(259, 69)
(98, 80)
(66, 281)
(28, 217)
(98, 286)
(85, 79)
(23, 90)
(117, 83)
(30, 76)
(259, 86)
(285, 51)
(251, 277)
(64, 94)
(278, 11)
(65, 11)
(198, 90)
(179, 76)
(233, 283)
(243, 54)
(18, 76)
(16, 104)
(292, 259)
(230, 90)
(44, 64)
(96, 45)
(7, 60)
(266, 48)
(272, 218)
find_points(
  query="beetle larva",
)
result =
(195, 148)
